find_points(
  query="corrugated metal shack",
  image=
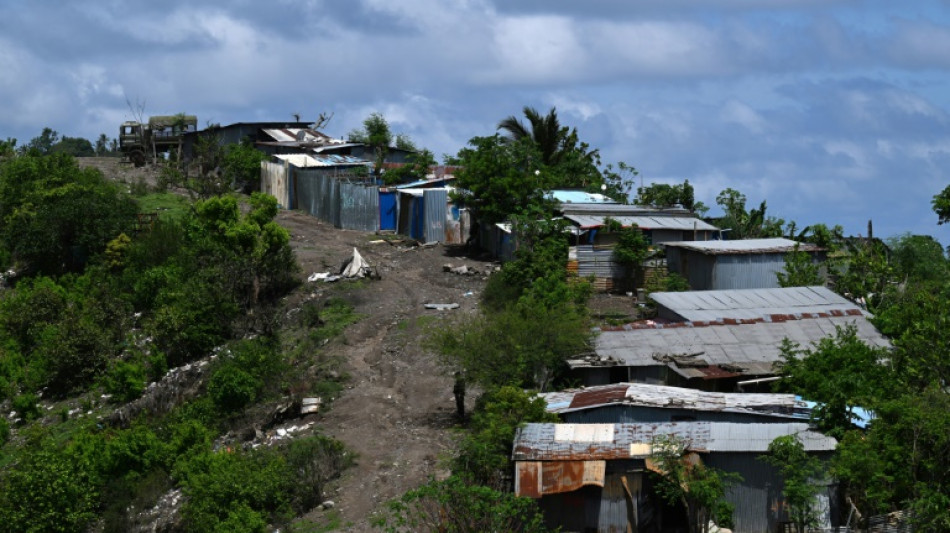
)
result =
(326, 187)
(592, 253)
(593, 477)
(741, 264)
(711, 355)
(642, 402)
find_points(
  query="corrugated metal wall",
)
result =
(436, 201)
(318, 194)
(751, 271)
(275, 183)
(359, 207)
(757, 498)
(697, 268)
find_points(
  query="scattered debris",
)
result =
(357, 267)
(310, 405)
(322, 276)
(463, 270)
(441, 307)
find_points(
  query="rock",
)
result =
(327, 504)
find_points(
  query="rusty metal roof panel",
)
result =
(750, 303)
(745, 246)
(563, 442)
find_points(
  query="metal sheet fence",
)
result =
(436, 201)
(318, 194)
(356, 206)
(359, 207)
(275, 183)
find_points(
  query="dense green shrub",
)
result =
(50, 489)
(232, 389)
(217, 483)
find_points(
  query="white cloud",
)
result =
(741, 114)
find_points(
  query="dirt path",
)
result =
(398, 410)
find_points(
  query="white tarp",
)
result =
(357, 267)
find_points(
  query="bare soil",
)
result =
(397, 412)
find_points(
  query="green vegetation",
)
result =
(803, 476)
(682, 478)
(101, 308)
(800, 270)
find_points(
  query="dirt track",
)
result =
(398, 410)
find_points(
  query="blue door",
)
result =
(388, 211)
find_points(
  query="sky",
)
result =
(833, 111)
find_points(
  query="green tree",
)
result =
(919, 258)
(74, 146)
(800, 270)
(416, 168)
(242, 166)
(43, 143)
(841, 373)
(499, 179)
(941, 205)
(802, 475)
(51, 489)
(662, 195)
(376, 134)
(484, 454)
(546, 132)
(743, 224)
(631, 250)
(55, 215)
(683, 479)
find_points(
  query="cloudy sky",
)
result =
(834, 111)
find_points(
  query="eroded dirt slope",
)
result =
(398, 411)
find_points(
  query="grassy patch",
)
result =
(165, 203)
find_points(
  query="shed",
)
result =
(741, 264)
(658, 225)
(593, 477)
(643, 402)
(711, 355)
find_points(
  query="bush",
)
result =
(221, 486)
(231, 389)
(314, 461)
(126, 380)
(27, 407)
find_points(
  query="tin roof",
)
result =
(661, 396)
(299, 135)
(745, 246)
(584, 442)
(321, 160)
(566, 196)
(723, 348)
(749, 303)
(683, 223)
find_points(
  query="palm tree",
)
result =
(546, 132)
